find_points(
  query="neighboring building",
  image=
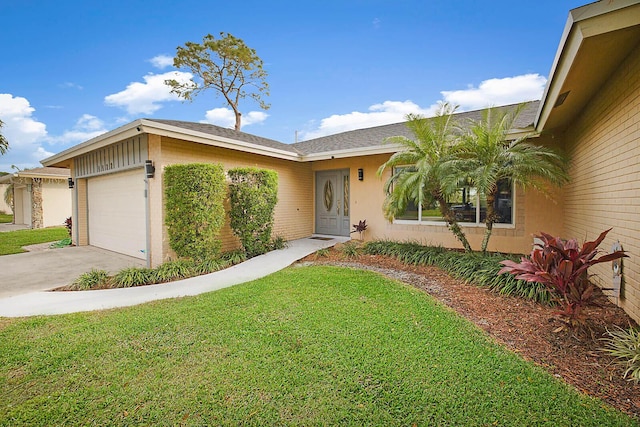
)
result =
(4, 207)
(41, 196)
(591, 108)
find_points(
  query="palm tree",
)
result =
(419, 174)
(487, 156)
(4, 144)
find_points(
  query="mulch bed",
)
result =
(533, 331)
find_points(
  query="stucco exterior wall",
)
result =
(534, 212)
(56, 202)
(3, 205)
(293, 213)
(604, 143)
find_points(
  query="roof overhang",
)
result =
(596, 39)
(141, 126)
(352, 152)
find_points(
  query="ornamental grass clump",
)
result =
(90, 280)
(561, 265)
(133, 276)
(173, 270)
(624, 345)
(478, 269)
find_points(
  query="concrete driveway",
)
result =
(51, 268)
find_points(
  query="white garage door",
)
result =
(117, 213)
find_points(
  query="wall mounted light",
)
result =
(360, 174)
(70, 181)
(149, 169)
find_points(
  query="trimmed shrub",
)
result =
(194, 196)
(254, 194)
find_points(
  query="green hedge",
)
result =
(254, 194)
(194, 195)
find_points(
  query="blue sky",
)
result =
(71, 70)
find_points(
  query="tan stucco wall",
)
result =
(3, 205)
(293, 213)
(604, 143)
(534, 212)
(56, 202)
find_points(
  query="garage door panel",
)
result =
(117, 213)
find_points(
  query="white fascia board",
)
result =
(353, 152)
(167, 130)
(26, 174)
(123, 132)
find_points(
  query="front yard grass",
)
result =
(5, 218)
(11, 242)
(305, 346)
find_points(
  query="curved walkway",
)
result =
(39, 303)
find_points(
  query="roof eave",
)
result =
(583, 22)
(352, 152)
(170, 131)
(140, 126)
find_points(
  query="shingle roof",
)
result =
(371, 137)
(228, 133)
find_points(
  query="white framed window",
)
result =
(468, 206)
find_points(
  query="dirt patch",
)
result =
(529, 329)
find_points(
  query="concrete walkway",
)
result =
(12, 227)
(38, 303)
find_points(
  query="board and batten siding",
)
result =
(604, 144)
(293, 212)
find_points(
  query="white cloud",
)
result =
(23, 132)
(224, 117)
(379, 114)
(86, 127)
(492, 92)
(145, 98)
(495, 92)
(162, 61)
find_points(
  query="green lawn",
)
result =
(11, 242)
(5, 218)
(305, 346)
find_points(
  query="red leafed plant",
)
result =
(562, 266)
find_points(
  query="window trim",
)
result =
(476, 224)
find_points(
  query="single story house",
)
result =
(590, 108)
(41, 196)
(4, 207)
